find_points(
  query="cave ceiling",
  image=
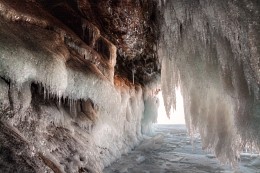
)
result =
(130, 25)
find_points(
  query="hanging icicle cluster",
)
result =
(214, 48)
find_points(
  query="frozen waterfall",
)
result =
(212, 50)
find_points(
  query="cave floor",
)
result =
(171, 151)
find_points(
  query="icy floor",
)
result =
(170, 151)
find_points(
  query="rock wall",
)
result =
(66, 135)
(63, 109)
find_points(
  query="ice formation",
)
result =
(213, 46)
(151, 105)
(78, 91)
(58, 96)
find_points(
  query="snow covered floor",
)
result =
(170, 151)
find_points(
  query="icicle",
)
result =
(84, 26)
(44, 93)
(133, 75)
(217, 68)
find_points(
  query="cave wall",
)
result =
(66, 136)
(78, 77)
(66, 106)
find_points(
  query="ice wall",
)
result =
(212, 49)
(56, 100)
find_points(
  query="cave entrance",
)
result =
(176, 116)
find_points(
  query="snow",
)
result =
(170, 150)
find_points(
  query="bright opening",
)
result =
(177, 116)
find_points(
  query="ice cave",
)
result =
(79, 85)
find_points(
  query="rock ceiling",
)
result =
(130, 26)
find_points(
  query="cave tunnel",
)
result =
(81, 83)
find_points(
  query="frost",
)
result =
(140, 159)
(45, 65)
(151, 144)
(214, 49)
(86, 140)
(255, 163)
(4, 100)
